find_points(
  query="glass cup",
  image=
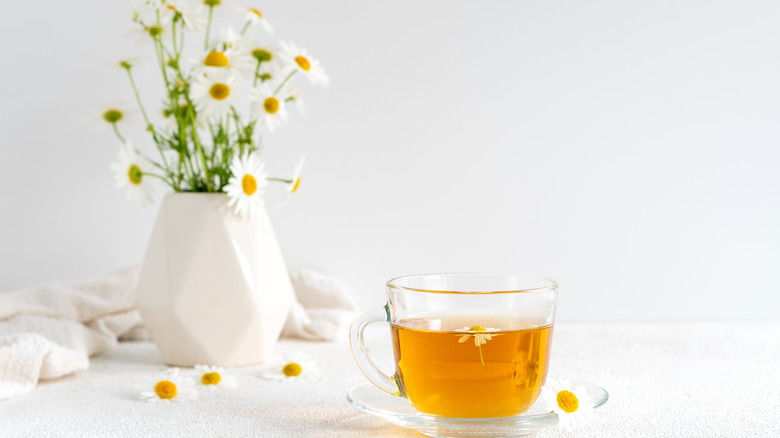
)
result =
(465, 345)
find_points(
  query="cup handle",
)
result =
(384, 382)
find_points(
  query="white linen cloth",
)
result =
(51, 330)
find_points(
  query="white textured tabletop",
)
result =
(703, 379)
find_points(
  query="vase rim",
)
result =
(196, 193)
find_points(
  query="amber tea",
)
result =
(466, 345)
(471, 365)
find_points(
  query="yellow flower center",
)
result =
(165, 389)
(262, 55)
(477, 328)
(219, 91)
(295, 186)
(211, 378)
(112, 116)
(249, 184)
(256, 12)
(303, 63)
(154, 30)
(292, 369)
(271, 105)
(134, 174)
(568, 401)
(216, 59)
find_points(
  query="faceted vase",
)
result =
(213, 288)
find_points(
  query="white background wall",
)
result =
(628, 149)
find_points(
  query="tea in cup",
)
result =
(465, 345)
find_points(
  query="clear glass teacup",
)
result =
(465, 345)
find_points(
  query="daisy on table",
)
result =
(171, 386)
(213, 377)
(245, 188)
(572, 404)
(291, 368)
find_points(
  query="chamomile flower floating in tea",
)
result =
(246, 186)
(572, 405)
(292, 368)
(130, 173)
(171, 386)
(480, 335)
(213, 377)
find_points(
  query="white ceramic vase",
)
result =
(213, 288)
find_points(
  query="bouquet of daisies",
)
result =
(218, 100)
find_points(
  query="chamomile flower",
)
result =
(228, 38)
(214, 95)
(113, 115)
(573, 405)
(192, 15)
(255, 17)
(212, 377)
(129, 172)
(480, 335)
(146, 32)
(292, 368)
(220, 61)
(296, 100)
(266, 54)
(145, 9)
(245, 188)
(126, 64)
(299, 60)
(294, 184)
(169, 387)
(266, 107)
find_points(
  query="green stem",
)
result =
(257, 72)
(166, 180)
(173, 39)
(116, 130)
(246, 26)
(284, 81)
(208, 28)
(196, 140)
(149, 125)
(138, 99)
(289, 181)
(480, 355)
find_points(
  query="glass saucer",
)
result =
(368, 398)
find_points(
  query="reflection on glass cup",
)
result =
(465, 345)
